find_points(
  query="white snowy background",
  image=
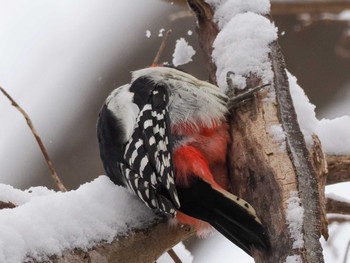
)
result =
(59, 60)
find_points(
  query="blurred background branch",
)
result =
(279, 7)
(41, 145)
(338, 169)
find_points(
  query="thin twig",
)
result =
(180, 15)
(54, 175)
(174, 256)
(233, 102)
(161, 48)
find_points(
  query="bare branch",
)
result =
(174, 256)
(4, 205)
(338, 169)
(338, 219)
(207, 31)
(180, 15)
(338, 207)
(54, 175)
(161, 47)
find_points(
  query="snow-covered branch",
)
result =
(98, 219)
(144, 245)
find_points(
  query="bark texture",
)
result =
(260, 170)
(320, 165)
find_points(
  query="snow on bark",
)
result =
(294, 218)
(294, 259)
(242, 46)
(334, 134)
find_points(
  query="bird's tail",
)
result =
(231, 216)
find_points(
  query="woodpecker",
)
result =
(164, 136)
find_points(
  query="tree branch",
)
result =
(338, 207)
(207, 31)
(4, 205)
(306, 176)
(338, 219)
(338, 169)
(319, 163)
(54, 175)
(144, 246)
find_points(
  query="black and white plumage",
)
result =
(165, 122)
(135, 135)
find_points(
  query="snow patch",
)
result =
(242, 47)
(305, 110)
(161, 32)
(225, 251)
(19, 197)
(294, 259)
(183, 52)
(334, 134)
(47, 222)
(278, 135)
(294, 218)
(148, 33)
(227, 9)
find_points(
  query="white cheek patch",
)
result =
(121, 104)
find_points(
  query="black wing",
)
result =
(110, 133)
(148, 166)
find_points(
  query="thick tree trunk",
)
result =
(260, 172)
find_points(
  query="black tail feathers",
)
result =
(230, 215)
